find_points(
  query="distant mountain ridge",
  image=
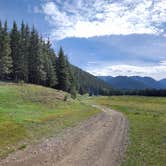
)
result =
(134, 82)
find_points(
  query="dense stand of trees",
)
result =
(146, 92)
(25, 56)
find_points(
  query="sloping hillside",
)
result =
(87, 83)
(29, 113)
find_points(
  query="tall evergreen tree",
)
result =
(53, 69)
(36, 61)
(72, 81)
(26, 54)
(5, 58)
(23, 52)
(49, 64)
(63, 75)
(15, 48)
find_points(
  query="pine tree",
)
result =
(72, 81)
(27, 54)
(32, 56)
(53, 69)
(24, 52)
(50, 65)
(63, 75)
(5, 58)
(36, 61)
(40, 72)
(15, 48)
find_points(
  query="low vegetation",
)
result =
(28, 113)
(147, 119)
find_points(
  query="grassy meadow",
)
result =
(28, 113)
(147, 120)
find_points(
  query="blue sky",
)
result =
(108, 37)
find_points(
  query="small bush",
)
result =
(74, 95)
(73, 92)
(65, 97)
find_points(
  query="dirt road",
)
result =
(98, 141)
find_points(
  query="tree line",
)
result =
(146, 92)
(26, 56)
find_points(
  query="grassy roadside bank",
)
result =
(28, 113)
(147, 118)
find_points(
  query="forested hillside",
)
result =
(88, 83)
(26, 57)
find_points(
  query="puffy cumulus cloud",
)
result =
(157, 71)
(87, 18)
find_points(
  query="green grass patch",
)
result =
(21, 147)
(147, 118)
(29, 113)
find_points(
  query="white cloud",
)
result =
(87, 18)
(163, 63)
(156, 71)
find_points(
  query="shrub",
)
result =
(65, 97)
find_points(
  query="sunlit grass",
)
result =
(29, 113)
(147, 119)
